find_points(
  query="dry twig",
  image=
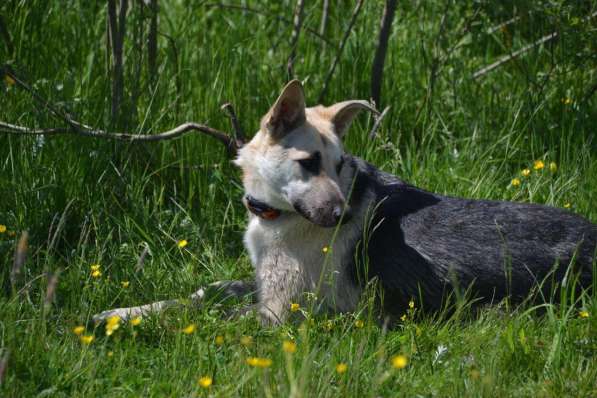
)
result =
(377, 123)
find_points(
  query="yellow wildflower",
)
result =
(294, 307)
(95, 267)
(403, 318)
(136, 321)
(359, 323)
(219, 340)
(538, 164)
(112, 324)
(125, 284)
(341, 368)
(96, 273)
(189, 329)
(110, 353)
(205, 381)
(525, 172)
(411, 304)
(399, 361)
(289, 346)
(325, 249)
(567, 205)
(567, 101)
(182, 243)
(2, 228)
(583, 314)
(515, 182)
(79, 330)
(246, 340)
(259, 362)
(9, 80)
(553, 167)
(88, 339)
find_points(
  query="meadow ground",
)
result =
(88, 202)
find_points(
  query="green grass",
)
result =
(88, 201)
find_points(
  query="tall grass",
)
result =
(86, 201)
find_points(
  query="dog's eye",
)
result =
(312, 164)
(339, 165)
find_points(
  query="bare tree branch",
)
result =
(266, 14)
(328, 78)
(76, 128)
(380, 52)
(296, 32)
(377, 124)
(238, 130)
(509, 57)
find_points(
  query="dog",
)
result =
(325, 223)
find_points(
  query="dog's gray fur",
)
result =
(418, 245)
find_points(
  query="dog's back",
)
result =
(425, 245)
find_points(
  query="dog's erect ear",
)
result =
(287, 113)
(342, 114)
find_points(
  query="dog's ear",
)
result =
(287, 113)
(343, 113)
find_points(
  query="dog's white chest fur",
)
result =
(289, 259)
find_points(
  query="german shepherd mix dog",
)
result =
(322, 221)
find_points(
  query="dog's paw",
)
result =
(123, 313)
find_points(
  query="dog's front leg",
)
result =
(279, 286)
(217, 291)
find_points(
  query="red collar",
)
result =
(261, 209)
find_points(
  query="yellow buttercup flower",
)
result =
(182, 243)
(112, 324)
(2, 228)
(525, 172)
(259, 362)
(96, 273)
(341, 368)
(205, 381)
(538, 165)
(359, 323)
(325, 249)
(583, 314)
(567, 101)
(110, 353)
(403, 318)
(136, 321)
(515, 182)
(219, 340)
(189, 329)
(567, 205)
(411, 304)
(88, 339)
(289, 346)
(294, 307)
(553, 167)
(125, 284)
(79, 330)
(246, 340)
(95, 267)
(399, 361)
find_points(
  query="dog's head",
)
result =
(295, 161)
